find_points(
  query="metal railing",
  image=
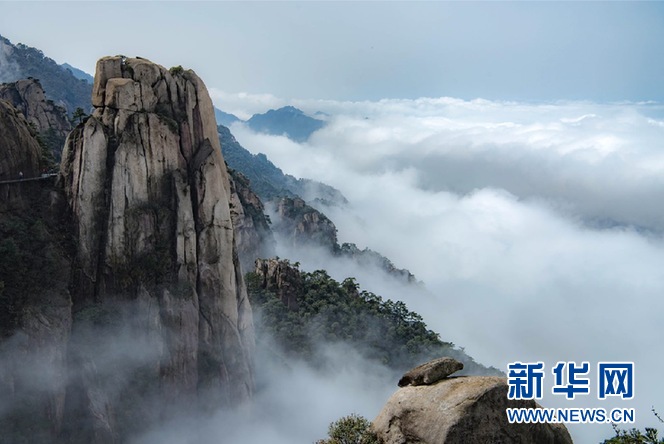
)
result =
(44, 176)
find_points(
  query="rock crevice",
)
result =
(149, 197)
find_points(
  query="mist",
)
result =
(294, 400)
(9, 70)
(535, 231)
(535, 228)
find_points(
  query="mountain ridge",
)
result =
(21, 61)
(123, 148)
(288, 121)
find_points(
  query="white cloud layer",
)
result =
(538, 228)
(244, 105)
(294, 403)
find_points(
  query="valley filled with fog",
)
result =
(536, 229)
(507, 154)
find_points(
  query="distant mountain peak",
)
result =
(288, 120)
(79, 73)
(224, 118)
(289, 109)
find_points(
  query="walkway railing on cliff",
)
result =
(44, 176)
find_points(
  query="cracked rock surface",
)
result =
(460, 410)
(149, 195)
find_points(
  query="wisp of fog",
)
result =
(537, 228)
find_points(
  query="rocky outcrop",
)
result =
(35, 305)
(368, 257)
(458, 410)
(300, 224)
(430, 372)
(20, 150)
(252, 230)
(21, 62)
(281, 278)
(156, 266)
(20, 156)
(28, 97)
(304, 225)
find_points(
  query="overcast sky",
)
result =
(533, 214)
(532, 51)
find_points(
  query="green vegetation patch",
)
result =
(331, 311)
(30, 261)
(351, 429)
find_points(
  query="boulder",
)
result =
(430, 372)
(460, 410)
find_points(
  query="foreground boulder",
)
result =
(458, 410)
(430, 372)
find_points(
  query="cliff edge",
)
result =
(156, 262)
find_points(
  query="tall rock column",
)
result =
(156, 264)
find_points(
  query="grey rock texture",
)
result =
(460, 410)
(430, 372)
(20, 150)
(302, 224)
(20, 155)
(156, 259)
(253, 235)
(28, 96)
(35, 304)
(282, 278)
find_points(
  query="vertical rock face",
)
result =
(28, 96)
(49, 120)
(156, 263)
(252, 230)
(19, 155)
(302, 224)
(20, 151)
(35, 305)
(282, 278)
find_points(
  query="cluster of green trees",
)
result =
(650, 435)
(30, 261)
(351, 429)
(331, 311)
(635, 436)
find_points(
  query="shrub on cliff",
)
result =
(351, 429)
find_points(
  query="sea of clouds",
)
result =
(535, 228)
